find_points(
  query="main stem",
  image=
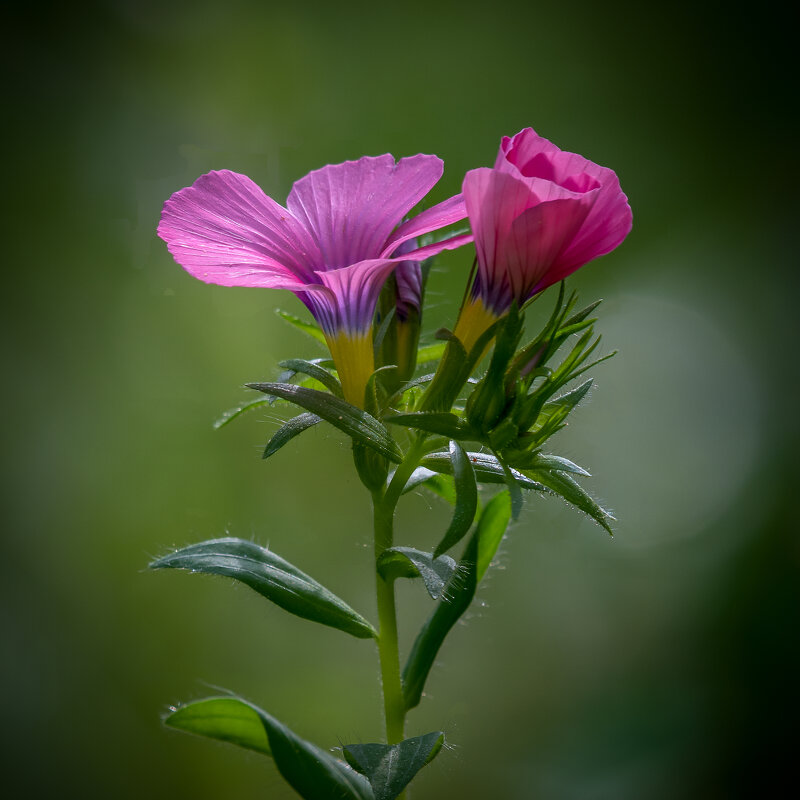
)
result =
(384, 502)
(388, 651)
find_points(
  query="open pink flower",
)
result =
(333, 245)
(539, 215)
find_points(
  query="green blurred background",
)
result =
(661, 663)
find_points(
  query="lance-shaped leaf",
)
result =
(572, 398)
(227, 719)
(391, 767)
(357, 424)
(442, 422)
(567, 487)
(309, 770)
(487, 469)
(290, 429)
(315, 371)
(232, 413)
(466, 499)
(272, 577)
(441, 485)
(455, 600)
(406, 562)
(492, 525)
(551, 462)
(314, 331)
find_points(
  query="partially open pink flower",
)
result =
(539, 215)
(333, 245)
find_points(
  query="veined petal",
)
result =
(604, 229)
(344, 299)
(494, 200)
(609, 220)
(408, 276)
(430, 250)
(535, 241)
(442, 214)
(352, 208)
(223, 229)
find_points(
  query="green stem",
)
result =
(384, 504)
(388, 650)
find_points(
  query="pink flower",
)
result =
(539, 215)
(333, 245)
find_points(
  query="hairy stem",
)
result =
(384, 504)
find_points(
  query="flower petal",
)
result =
(494, 200)
(610, 218)
(519, 236)
(530, 252)
(445, 213)
(223, 229)
(352, 208)
(344, 299)
(430, 250)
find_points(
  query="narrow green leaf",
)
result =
(313, 773)
(441, 485)
(466, 499)
(442, 422)
(567, 487)
(406, 562)
(457, 596)
(492, 525)
(272, 577)
(353, 421)
(593, 364)
(309, 770)
(288, 431)
(557, 463)
(237, 411)
(227, 719)
(571, 398)
(431, 352)
(487, 469)
(306, 327)
(329, 381)
(581, 315)
(452, 371)
(390, 768)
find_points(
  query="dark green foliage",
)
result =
(390, 768)
(357, 424)
(309, 770)
(492, 524)
(457, 596)
(290, 429)
(407, 562)
(315, 371)
(466, 499)
(272, 577)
